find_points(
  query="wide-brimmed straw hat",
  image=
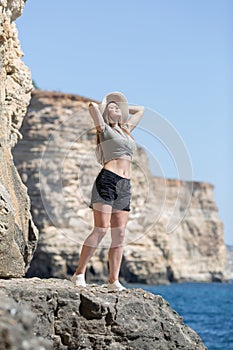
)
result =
(120, 100)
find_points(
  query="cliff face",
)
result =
(18, 234)
(195, 250)
(53, 314)
(229, 269)
(56, 161)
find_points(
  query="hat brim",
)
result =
(121, 101)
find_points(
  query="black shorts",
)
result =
(112, 189)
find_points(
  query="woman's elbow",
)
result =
(142, 109)
(93, 105)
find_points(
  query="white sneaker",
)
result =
(78, 280)
(115, 286)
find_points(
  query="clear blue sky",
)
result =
(172, 56)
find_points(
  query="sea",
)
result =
(205, 307)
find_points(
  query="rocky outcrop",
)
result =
(195, 249)
(229, 269)
(93, 317)
(16, 326)
(56, 160)
(18, 234)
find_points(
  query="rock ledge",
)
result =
(94, 318)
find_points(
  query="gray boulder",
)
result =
(16, 327)
(94, 318)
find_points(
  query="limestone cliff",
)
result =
(53, 314)
(229, 269)
(56, 161)
(18, 234)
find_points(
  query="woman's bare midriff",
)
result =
(120, 166)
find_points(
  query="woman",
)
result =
(111, 192)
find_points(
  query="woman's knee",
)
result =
(99, 233)
(118, 236)
(96, 236)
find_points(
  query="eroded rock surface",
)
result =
(229, 269)
(93, 318)
(18, 234)
(16, 326)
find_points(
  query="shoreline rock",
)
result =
(93, 318)
(229, 269)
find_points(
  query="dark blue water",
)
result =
(206, 307)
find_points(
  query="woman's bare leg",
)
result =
(102, 216)
(118, 223)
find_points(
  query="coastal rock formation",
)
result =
(56, 161)
(18, 234)
(16, 326)
(195, 249)
(229, 269)
(92, 318)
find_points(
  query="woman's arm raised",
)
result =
(137, 113)
(96, 116)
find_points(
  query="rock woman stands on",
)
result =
(111, 191)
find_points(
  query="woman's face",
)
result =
(114, 112)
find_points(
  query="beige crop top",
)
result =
(115, 143)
